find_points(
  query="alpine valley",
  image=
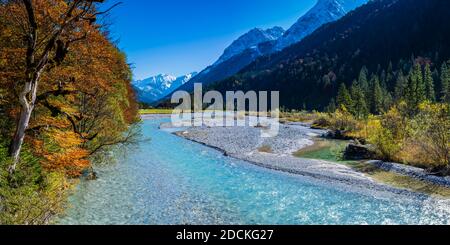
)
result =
(361, 135)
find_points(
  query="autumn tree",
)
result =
(92, 104)
(83, 105)
(48, 35)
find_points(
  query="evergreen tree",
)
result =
(429, 84)
(362, 80)
(364, 83)
(360, 109)
(416, 89)
(388, 100)
(344, 99)
(383, 77)
(377, 97)
(390, 74)
(332, 106)
(400, 86)
(421, 87)
(445, 83)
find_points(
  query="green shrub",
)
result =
(30, 196)
(340, 120)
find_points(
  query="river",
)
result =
(170, 180)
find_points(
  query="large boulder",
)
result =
(355, 151)
(337, 134)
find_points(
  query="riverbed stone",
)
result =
(355, 151)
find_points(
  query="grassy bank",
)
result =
(331, 150)
(155, 111)
(419, 137)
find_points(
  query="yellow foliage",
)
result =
(72, 161)
(340, 120)
(66, 139)
(50, 122)
(85, 101)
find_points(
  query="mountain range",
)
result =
(258, 42)
(382, 36)
(154, 88)
(248, 47)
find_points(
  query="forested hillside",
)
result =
(383, 40)
(65, 97)
(382, 74)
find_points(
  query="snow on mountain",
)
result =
(250, 40)
(154, 88)
(323, 12)
(258, 42)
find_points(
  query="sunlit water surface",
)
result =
(169, 180)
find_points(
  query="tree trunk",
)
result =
(27, 99)
(17, 142)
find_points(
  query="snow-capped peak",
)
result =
(323, 12)
(250, 39)
(154, 88)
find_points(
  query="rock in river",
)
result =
(358, 152)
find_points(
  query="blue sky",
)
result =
(181, 36)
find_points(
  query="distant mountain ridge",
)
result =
(264, 42)
(157, 87)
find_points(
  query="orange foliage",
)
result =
(84, 102)
(72, 161)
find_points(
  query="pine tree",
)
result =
(400, 86)
(344, 98)
(377, 96)
(332, 106)
(421, 87)
(445, 83)
(360, 109)
(383, 77)
(429, 84)
(390, 74)
(362, 80)
(388, 100)
(416, 89)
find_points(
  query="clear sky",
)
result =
(181, 36)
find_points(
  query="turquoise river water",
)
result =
(169, 180)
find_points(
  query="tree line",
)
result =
(414, 82)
